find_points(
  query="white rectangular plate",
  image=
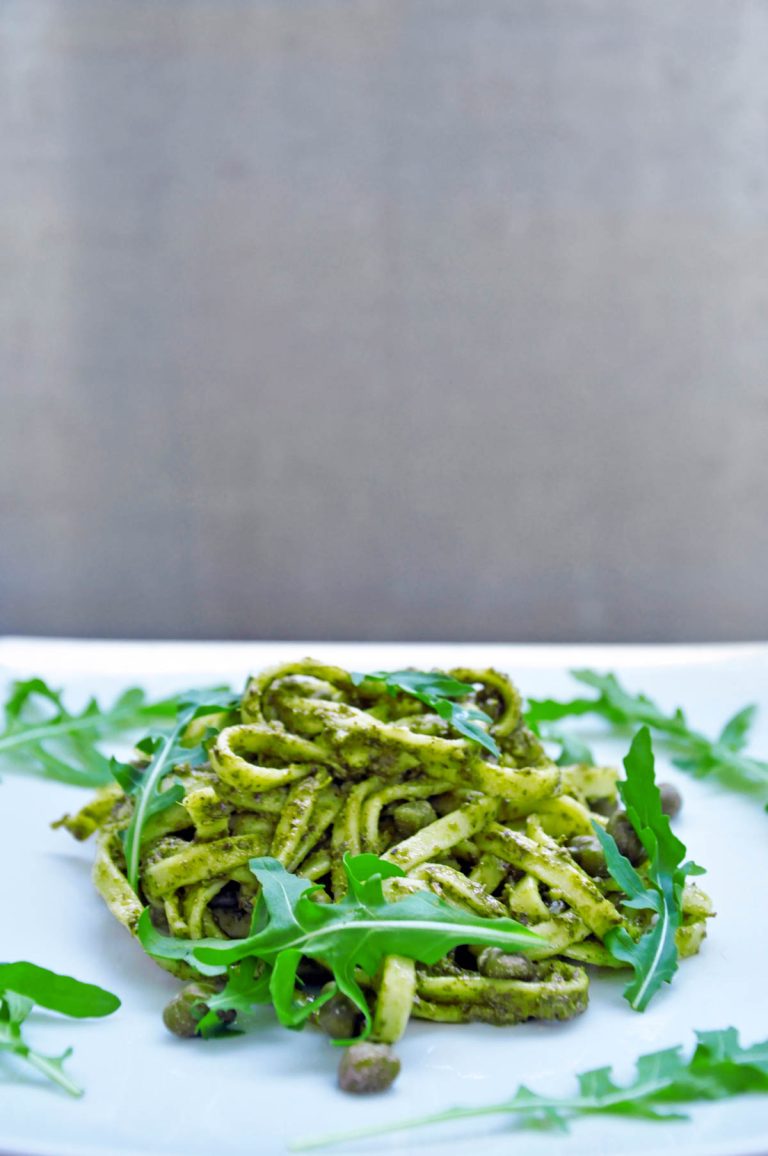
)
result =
(149, 1093)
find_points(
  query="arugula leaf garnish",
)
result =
(438, 692)
(654, 956)
(572, 749)
(24, 985)
(43, 737)
(165, 751)
(247, 985)
(357, 932)
(718, 1069)
(690, 749)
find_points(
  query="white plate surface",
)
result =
(149, 1093)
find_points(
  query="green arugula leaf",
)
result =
(736, 731)
(22, 986)
(42, 737)
(718, 1069)
(166, 752)
(149, 795)
(639, 895)
(247, 984)
(654, 956)
(548, 710)
(543, 715)
(690, 750)
(357, 932)
(60, 993)
(437, 691)
(572, 750)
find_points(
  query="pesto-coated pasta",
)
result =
(319, 765)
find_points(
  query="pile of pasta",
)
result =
(317, 767)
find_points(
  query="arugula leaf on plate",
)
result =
(147, 786)
(42, 737)
(572, 749)
(24, 985)
(719, 1068)
(357, 932)
(653, 957)
(690, 749)
(438, 692)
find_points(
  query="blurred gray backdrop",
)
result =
(385, 319)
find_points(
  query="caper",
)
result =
(671, 799)
(497, 964)
(588, 853)
(604, 806)
(183, 1013)
(412, 815)
(626, 837)
(368, 1067)
(234, 923)
(338, 1018)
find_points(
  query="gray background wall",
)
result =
(384, 318)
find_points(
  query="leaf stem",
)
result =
(303, 943)
(536, 1105)
(53, 1071)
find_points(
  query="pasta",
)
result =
(317, 767)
